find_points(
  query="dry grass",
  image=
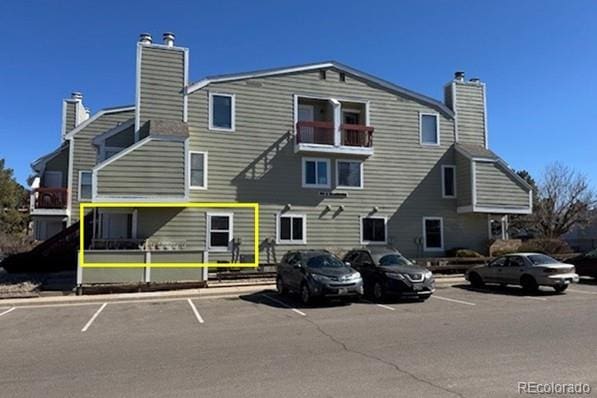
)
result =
(15, 284)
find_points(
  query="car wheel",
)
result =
(529, 283)
(379, 292)
(560, 288)
(280, 287)
(305, 294)
(476, 280)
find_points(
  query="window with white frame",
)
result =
(429, 128)
(291, 228)
(198, 170)
(316, 173)
(449, 181)
(349, 174)
(221, 111)
(85, 183)
(219, 231)
(373, 230)
(433, 233)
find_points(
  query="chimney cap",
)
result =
(168, 38)
(76, 95)
(145, 38)
(459, 75)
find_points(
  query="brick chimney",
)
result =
(468, 101)
(162, 75)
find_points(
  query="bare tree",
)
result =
(565, 199)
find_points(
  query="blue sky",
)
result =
(538, 58)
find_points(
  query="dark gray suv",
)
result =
(387, 272)
(317, 274)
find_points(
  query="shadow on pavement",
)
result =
(509, 290)
(271, 298)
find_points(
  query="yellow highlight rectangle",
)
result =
(254, 206)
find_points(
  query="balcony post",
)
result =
(337, 121)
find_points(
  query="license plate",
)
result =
(342, 291)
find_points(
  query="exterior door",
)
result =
(514, 269)
(306, 113)
(52, 179)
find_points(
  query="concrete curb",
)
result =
(221, 291)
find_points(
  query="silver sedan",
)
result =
(530, 270)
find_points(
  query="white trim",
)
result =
(444, 167)
(79, 198)
(186, 173)
(473, 183)
(232, 112)
(139, 198)
(185, 98)
(128, 150)
(202, 83)
(367, 113)
(291, 241)
(230, 230)
(96, 116)
(496, 210)
(362, 179)
(69, 183)
(436, 115)
(483, 87)
(138, 91)
(295, 99)
(304, 184)
(204, 187)
(455, 113)
(367, 242)
(441, 227)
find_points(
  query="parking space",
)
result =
(262, 308)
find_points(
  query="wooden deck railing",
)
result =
(50, 198)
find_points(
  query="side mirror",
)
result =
(347, 263)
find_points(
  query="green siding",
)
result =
(463, 180)
(85, 153)
(154, 169)
(470, 112)
(497, 188)
(70, 115)
(257, 163)
(59, 163)
(162, 82)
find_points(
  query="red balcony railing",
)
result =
(357, 135)
(50, 198)
(315, 133)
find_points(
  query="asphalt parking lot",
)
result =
(460, 342)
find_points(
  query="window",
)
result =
(291, 228)
(515, 261)
(433, 235)
(219, 231)
(429, 129)
(198, 170)
(322, 74)
(221, 111)
(349, 174)
(85, 185)
(316, 173)
(373, 230)
(342, 77)
(448, 181)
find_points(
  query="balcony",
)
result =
(49, 200)
(321, 137)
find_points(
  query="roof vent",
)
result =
(77, 95)
(459, 76)
(169, 39)
(145, 38)
(475, 80)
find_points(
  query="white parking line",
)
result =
(580, 291)
(534, 298)
(93, 317)
(284, 304)
(197, 314)
(387, 307)
(452, 300)
(7, 311)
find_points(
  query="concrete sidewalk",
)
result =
(215, 290)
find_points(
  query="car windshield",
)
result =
(324, 261)
(393, 260)
(540, 259)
